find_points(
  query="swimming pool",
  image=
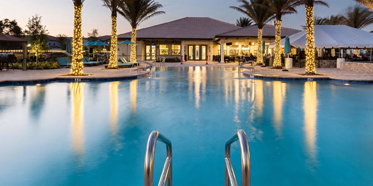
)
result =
(300, 133)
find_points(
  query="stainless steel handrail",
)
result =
(230, 177)
(149, 160)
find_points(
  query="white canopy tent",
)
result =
(333, 36)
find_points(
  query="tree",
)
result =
(136, 12)
(77, 60)
(10, 27)
(113, 6)
(36, 35)
(310, 44)
(62, 38)
(367, 3)
(244, 22)
(357, 17)
(93, 36)
(258, 11)
(281, 8)
(330, 20)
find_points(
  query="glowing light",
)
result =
(259, 96)
(113, 62)
(114, 107)
(133, 47)
(356, 52)
(133, 90)
(310, 48)
(197, 86)
(259, 60)
(277, 61)
(310, 120)
(77, 117)
(77, 62)
(278, 96)
(333, 52)
(347, 84)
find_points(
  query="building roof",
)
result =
(185, 28)
(8, 38)
(252, 31)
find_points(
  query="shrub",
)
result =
(38, 66)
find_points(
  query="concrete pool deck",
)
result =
(99, 73)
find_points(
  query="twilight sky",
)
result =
(57, 15)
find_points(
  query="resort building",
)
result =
(198, 39)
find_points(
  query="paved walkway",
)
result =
(331, 73)
(96, 72)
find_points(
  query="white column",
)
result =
(182, 49)
(222, 44)
(211, 52)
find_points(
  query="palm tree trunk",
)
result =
(113, 62)
(310, 49)
(133, 47)
(77, 63)
(277, 62)
(259, 60)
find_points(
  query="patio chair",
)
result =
(10, 58)
(86, 62)
(63, 61)
(124, 61)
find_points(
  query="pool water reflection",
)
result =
(300, 133)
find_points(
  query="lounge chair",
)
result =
(124, 61)
(87, 62)
(63, 61)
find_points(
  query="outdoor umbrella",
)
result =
(287, 49)
(88, 43)
(68, 45)
(97, 43)
(126, 42)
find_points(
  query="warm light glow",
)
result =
(77, 62)
(133, 90)
(357, 52)
(133, 47)
(310, 48)
(278, 99)
(114, 107)
(310, 119)
(259, 60)
(333, 52)
(277, 61)
(113, 62)
(259, 96)
(197, 86)
(77, 112)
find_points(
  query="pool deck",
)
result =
(99, 73)
(96, 73)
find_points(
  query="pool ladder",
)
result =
(166, 176)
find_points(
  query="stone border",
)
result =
(317, 78)
(73, 79)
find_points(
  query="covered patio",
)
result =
(8, 43)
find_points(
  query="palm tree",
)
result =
(258, 11)
(136, 12)
(367, 3)
(244, 22)
(310, 46)
(357, 17)
(331, 20)
(77, 62)
(113, 6)
(280, 8)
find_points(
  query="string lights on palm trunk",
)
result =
(77, 62)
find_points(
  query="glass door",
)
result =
(150, 52)
(191, 52)
(198, 53)
(203, 52)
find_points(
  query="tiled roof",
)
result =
(186, 28)
(252, 31)
(8, 38)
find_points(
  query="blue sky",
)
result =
(58, 14)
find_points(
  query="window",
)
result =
(163, 50)
(176, 49)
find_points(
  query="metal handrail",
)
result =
(149, 160)
(230, 177)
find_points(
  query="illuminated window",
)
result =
(163, 50)
(176, 49)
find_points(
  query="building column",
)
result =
(211, 52)
(222, 43)
(182, 50)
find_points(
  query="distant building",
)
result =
(53, 43)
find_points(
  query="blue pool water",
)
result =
(300, 133)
